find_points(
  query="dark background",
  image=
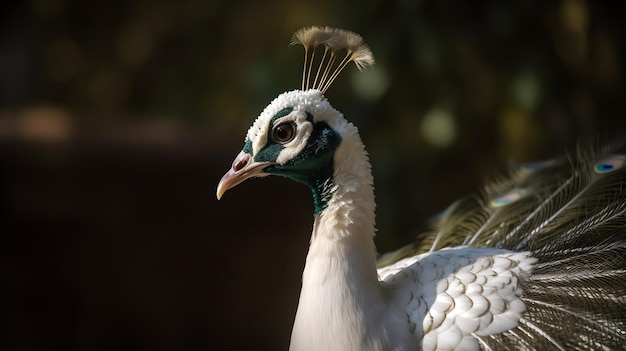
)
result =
(118, 118)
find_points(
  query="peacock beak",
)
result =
(243, 168)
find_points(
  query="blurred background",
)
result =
(118, 118)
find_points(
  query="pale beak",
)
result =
(243, 168)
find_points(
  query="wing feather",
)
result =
(457, 293)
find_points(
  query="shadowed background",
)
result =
(117, 120)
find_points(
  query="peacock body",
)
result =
(536, 262)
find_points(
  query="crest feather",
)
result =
(334, 41)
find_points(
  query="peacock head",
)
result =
(297, 134)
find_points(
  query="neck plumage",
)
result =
(341, 299)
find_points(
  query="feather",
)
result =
(333, 41)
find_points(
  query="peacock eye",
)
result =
(284, 132)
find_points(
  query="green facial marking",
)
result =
(282, 113)
(269, 153)
(314, 165)
(247, 147)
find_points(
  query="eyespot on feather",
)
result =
(506, 199)
(609, 165)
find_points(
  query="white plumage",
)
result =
(508, 269)
(456, 293)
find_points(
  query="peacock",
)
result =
(536, 261)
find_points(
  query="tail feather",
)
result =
(576, 294)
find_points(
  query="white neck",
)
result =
(342, 304)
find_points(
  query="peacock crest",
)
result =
(323, 48)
